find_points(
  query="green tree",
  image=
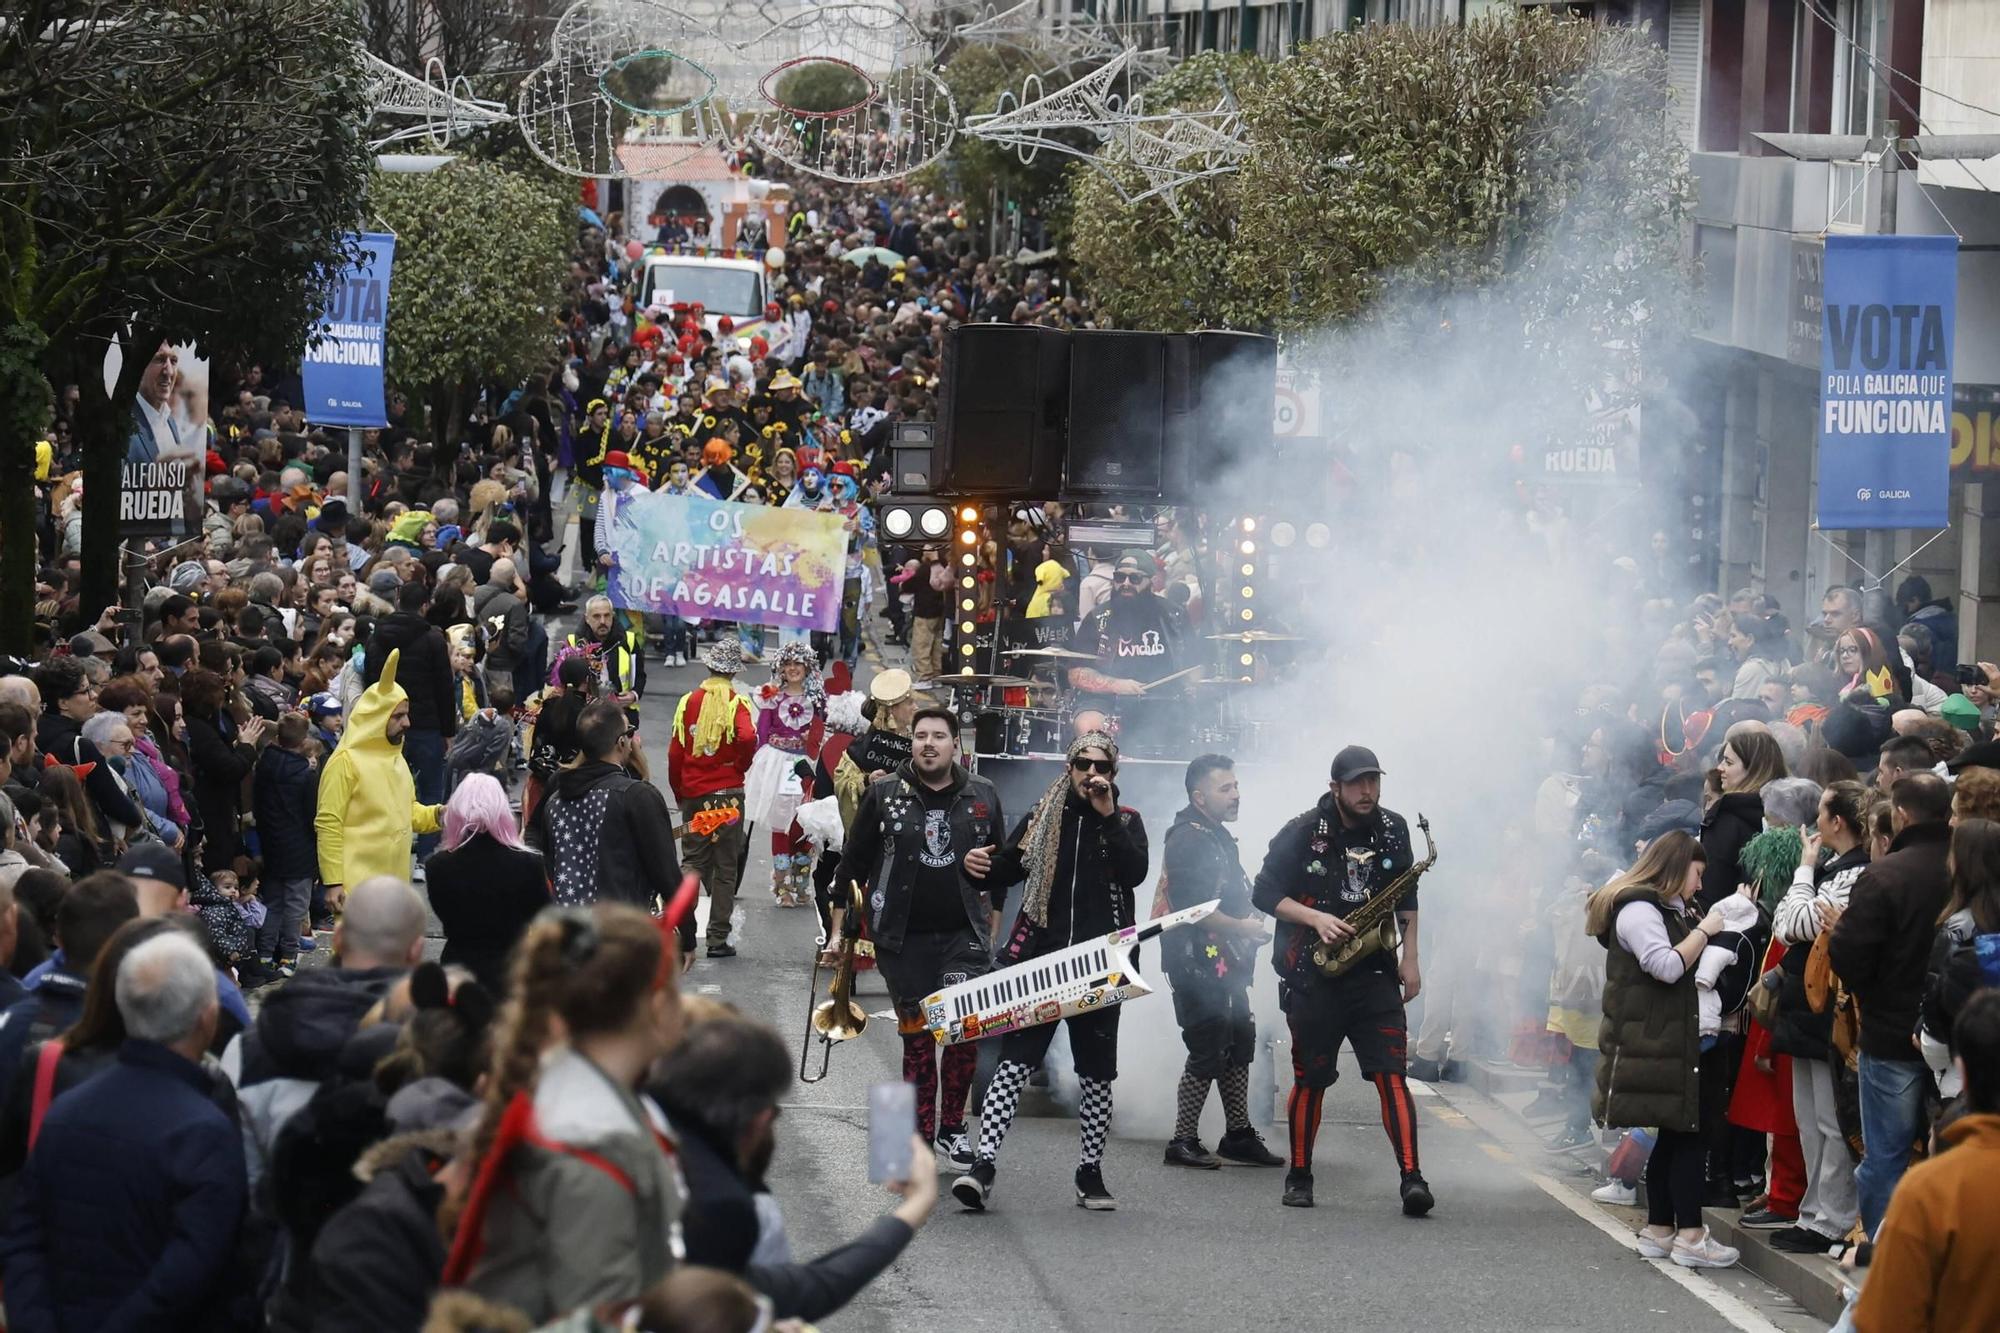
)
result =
(975, 170)
(480, 256)
(174, 172)
(1137, 257)
(1510, 183)
(821, 85)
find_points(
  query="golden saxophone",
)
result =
(1374, 921)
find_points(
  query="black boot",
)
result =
(1298, 1189)
(1417, 1198)
(1246, 1146)
(1090, 1191)
(1189, 1152)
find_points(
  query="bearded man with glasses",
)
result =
(1138, 638)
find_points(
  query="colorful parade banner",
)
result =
(690, 556)
(343, 370)
(1885, 381)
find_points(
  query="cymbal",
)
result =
(1228, 682)
(1255, 636)
(1047, 652)
(972, 678)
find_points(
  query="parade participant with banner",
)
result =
(714, 742)
(921, 846)
(1082, 855)
(1325, 866)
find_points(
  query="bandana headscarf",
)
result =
(1041, 842)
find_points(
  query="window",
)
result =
(1860, 93)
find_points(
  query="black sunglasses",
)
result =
(1128, 577)
(1085, 765)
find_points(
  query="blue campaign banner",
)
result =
(343, 372)
(1885, 381)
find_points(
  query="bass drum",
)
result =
(1032, 731)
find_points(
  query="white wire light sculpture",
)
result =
(442, 106)
(688, 79)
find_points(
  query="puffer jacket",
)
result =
(1649, 1046)
(1730, 824)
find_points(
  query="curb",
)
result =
(1813, 1281)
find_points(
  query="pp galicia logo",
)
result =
(1864, 494)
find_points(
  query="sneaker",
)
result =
(1090, 1191)
(1655, 1247)
(1571, 1137)
(286, 968)
(1708, 1252)
(973, 1188)
(1189, 1152)
(417, 873)
(1619, 1193)
(251, 973)
(1801, 1240)
(1765, 1219)
(1451, 1071)
(954, 1150)
(1424, 1071)
(1298, 1189)
(721, 951)
(1416, 1192)
(1245, 1146)
(307, 943)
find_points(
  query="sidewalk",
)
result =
(1814, 1282)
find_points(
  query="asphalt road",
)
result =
(1511, 1245)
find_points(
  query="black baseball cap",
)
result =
(153, 863)
(1986, 754)
(1356, 761)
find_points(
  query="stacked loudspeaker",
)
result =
(1034, 413)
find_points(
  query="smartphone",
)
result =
(892, 1124)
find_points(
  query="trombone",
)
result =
(837, 1018)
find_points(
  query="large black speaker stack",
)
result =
(1032, 413)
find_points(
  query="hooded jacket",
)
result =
(368, 807)
(607, 837)
(1727, 828)
(425, 672)
(282, 796)
(377, 1261)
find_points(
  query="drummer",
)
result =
(1137, 637)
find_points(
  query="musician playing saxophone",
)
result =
(1082, 854)
(922, 845)
(1321, 868)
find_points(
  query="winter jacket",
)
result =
(269, 698)
(62, 737)
(693, 776)
(1734, 819)
(368, 808)
(589, 1208)
(284, 796)
(294, 1046)
(1100, 860)
(1799, 1032)
(1318, 861)
(424, 672)
(220, 765)
(1934, 1258)
(1649, 1046)
(724, 1228)
(503, 626)
(606, 835)
(1939, 619)
(485, 893)
(128, 1209)
(887, 836)
(377, 1261)
(1881, 945)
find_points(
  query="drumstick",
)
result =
(1166, 679)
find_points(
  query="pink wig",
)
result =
(479, 805)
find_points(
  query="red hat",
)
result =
(843, 468)
(619, 458)
(725, 324)
(772, 310)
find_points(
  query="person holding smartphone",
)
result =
(1082, 855)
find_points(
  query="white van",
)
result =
(737, 288)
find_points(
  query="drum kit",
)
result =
(1023, 716)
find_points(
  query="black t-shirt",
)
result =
(926, 602)
(934, 901)
(1133, 639)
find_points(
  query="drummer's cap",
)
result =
(890, 687)
(1356, 761)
